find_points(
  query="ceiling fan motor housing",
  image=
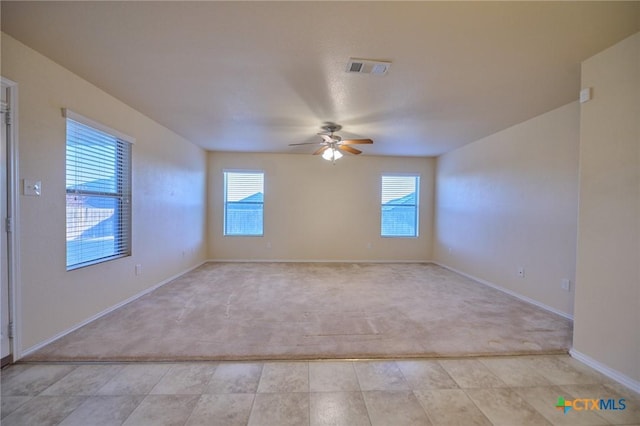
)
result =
(331, 127)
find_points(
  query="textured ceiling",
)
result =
(256, 76)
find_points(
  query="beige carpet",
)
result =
(237, 311)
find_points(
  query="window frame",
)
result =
(122, 194)
(225, 202)
(416, 206)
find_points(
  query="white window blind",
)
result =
(399, 206)
(243, 203)
(98, 186)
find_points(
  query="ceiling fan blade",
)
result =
(327, 138)
(349, 149)
(356, 141)
(305, 143)
(321, 150)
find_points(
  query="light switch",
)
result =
(31, 187)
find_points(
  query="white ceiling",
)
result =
(256, 76)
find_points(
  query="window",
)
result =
(399, 206)
(243, 203)
(98, 182)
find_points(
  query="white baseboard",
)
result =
(40, 345)
(507, 291)
(313, 261)
(623, 379)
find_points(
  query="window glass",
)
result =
(98, 195)
(243, 203)
(399, 206)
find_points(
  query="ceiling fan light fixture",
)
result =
(331, 154)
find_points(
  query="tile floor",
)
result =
(471, 391)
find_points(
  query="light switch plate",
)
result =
(32, 188)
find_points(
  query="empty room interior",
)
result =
(320, 212)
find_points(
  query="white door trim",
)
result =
(13, 207)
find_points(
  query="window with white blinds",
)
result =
(98, 183)
(399, 205)
(243, 203)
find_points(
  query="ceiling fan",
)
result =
(332, 145)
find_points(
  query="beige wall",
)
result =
(607, 320)
(318, 211)
(510, 201)
(169, 195)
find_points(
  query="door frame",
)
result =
(13, 207)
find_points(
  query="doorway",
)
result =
(7, 207)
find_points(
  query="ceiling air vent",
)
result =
(367, 66)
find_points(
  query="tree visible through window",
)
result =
(399, 206)
(98, 186)
(243, 203)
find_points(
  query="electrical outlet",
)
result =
(565, 284)
(585, 95)
(138, 269)
(521, 272)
